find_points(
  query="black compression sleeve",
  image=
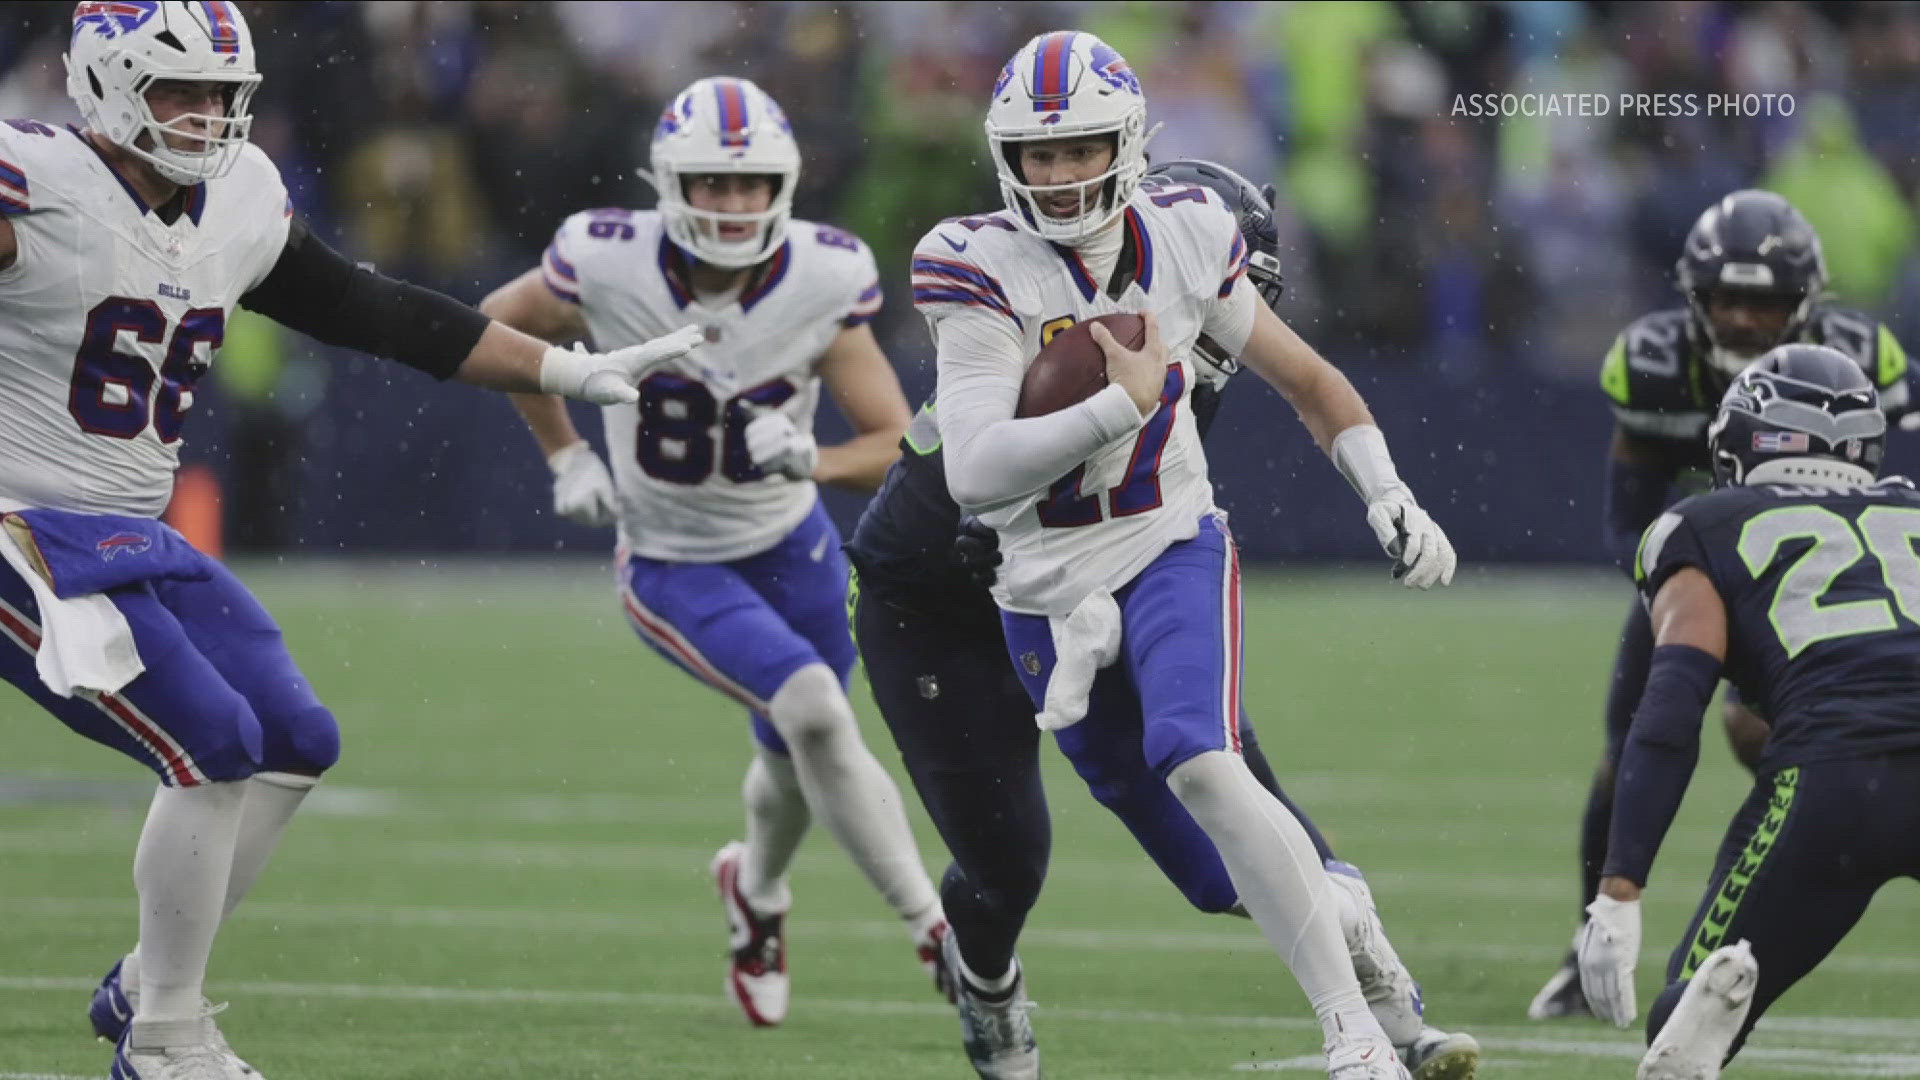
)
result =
(323, 294)
(1658, 761)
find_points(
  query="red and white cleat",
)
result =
(933, 960)
(757, 972)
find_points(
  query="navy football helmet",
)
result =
(1793, 411)
(1754, 246)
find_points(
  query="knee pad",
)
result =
(307, 741)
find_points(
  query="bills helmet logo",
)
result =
(676, 113)
(111, 19)
(126, 543)
(1112, 69)
(1006, 76)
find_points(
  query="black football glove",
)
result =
(976, 551)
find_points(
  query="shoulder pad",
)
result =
(1649, 377)
(1864, 338)
(949, 271)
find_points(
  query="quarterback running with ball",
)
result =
(1120, 588)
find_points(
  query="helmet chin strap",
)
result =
(1810, 472)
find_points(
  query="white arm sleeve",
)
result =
(1229, 319)
(991, 457)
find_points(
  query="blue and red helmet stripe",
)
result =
(224, 31)
(1051, 68)
(732, 98)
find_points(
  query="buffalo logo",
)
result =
(126, 543)
(110, 20)
(1030, 661)
(1112, 69)
(1006, 76)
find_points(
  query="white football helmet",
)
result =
(724, 125)
(121, 48)
(1062, 85)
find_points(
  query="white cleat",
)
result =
(1392, 995)
(1358, 1059)
(757, 970)
(1696, 1038)
(177, 1050)
(1438, 1055)
(997, 1033)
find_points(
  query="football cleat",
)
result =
(1392, 995)
(111, 1009)
(192, 1050)
(1437, 1055)
(1363, 1059)
(931, 948)
(115, 1000)
(1712, 1009)
(1562, 995)
(757, 973)
(997, 1033)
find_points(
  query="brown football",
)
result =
(1071, 368)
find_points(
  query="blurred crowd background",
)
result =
(1468, 271)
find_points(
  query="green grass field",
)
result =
(506, 875)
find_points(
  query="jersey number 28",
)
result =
(1798, 615)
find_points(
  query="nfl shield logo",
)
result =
(1030, 661)
(929, 687)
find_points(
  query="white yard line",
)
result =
(619, 924)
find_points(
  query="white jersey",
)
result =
(109, 316)
(1099, 524)
(688, 491)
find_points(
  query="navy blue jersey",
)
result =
(1822, 590)
(1661, 387)
(903, 544)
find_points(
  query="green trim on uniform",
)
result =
(1726, 903)
(1893, 358)
(1613, 371)
(853, 604)
(918, 431)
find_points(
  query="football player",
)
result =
(1798, 580)
(124, 246)
(935, 656)
(1753, 278)
(728, 565)
(1120, 588)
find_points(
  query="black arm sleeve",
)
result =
(323, 294)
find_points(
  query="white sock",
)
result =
(852, 794)
(272, 797)
(997, 985)
(1280, 880)
(777, 817)
(180, 870)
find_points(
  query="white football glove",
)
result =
(1609, 949)
(776, 445)
(582, 488)
(1422, 555)
(609, 378)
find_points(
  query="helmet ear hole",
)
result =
(93, 84)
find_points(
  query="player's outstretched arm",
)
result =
(583, 490)
(319, 292)
(1690, 643)
(867, 393)
(1340, 423)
